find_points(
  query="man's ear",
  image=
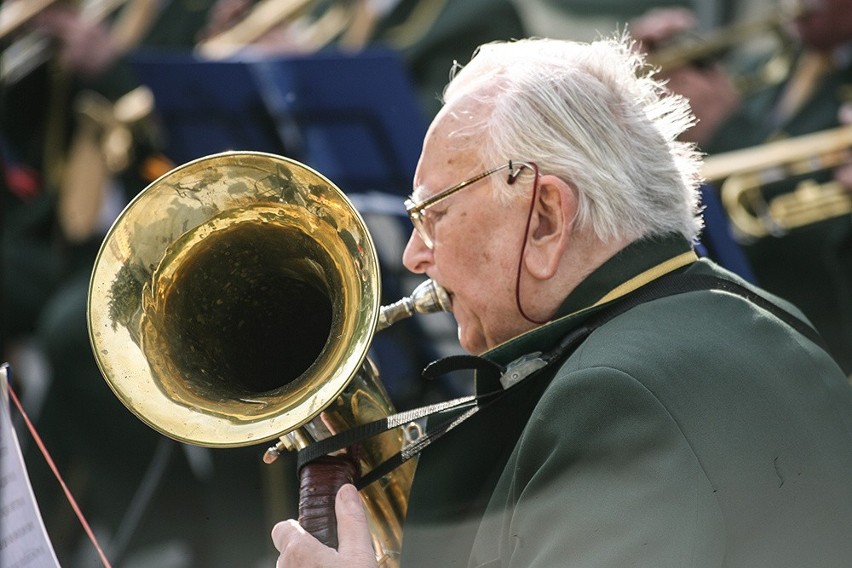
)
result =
(551, 226)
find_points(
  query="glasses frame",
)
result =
(416, 210)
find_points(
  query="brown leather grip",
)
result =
(319, 481)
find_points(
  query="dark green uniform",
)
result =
(694, 430)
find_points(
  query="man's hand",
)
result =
(298, 549)
(711, 94)
(709, 88)
(659, 25)
(85, 47)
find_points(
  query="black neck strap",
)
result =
(461, 409)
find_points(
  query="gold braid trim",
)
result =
(651, 274)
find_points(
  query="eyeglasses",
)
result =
(424, 224)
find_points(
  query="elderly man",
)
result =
(665, 424)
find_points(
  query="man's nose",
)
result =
(416, 257)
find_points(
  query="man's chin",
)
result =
(474, 346)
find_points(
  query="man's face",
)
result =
(477, 240)
(827, 24)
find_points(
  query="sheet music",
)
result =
(23, 539)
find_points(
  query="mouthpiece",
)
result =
(429, 297)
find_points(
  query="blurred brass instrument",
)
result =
(233, 302)
(259, 20)
(715, 44)
(33, 48)
(264, 16)
(16, 14)
(27, 51)
(748, 172)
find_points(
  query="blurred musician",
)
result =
(150, 503)
(426, 32)
(810, 265)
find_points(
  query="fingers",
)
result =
(223, 16)
(57, 20)
(86, 46)
(661, 24)
(299, 549)
(353, 531)
(285, 532)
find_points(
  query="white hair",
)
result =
(591, 114)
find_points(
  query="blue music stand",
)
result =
(354, 117)
(206, 107)
(358, 116)
(717, 240)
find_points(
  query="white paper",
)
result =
(23, 538)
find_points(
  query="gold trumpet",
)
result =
(233, 302)
(745, 175)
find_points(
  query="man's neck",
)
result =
(585, 255)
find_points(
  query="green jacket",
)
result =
(694, 430)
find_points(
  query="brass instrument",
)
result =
(746, 173)
(233, 302)
(262, 18)
(32, 49)
(14, 15)
(717, 43)
(348, 22)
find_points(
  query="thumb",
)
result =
(353, 531)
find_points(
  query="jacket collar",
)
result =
(637, 264)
